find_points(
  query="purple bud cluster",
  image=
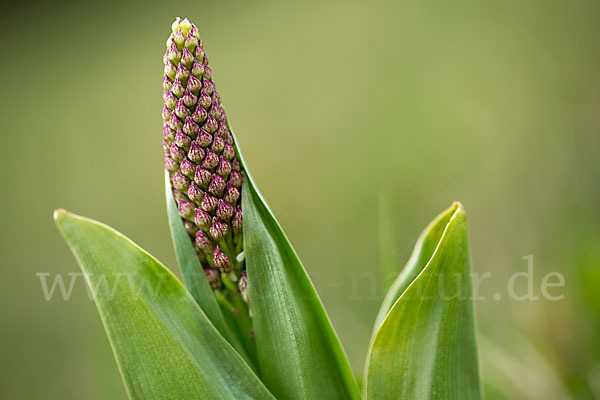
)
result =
(206, 175)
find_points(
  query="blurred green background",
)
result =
(338, 107)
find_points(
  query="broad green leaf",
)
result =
(165, 346)
(300, 356)
(425, 348)
(194, 277)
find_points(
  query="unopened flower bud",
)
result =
(190, 227)
(216, 185)
(202, 219)
(228, 152)
(173, 54)
(203, 242)
(222, 130)
(207, 86)
(191, 41)
(166, 113)
(180, 182)
(170, 99)
(182, 74)
(208, 203)
(231, 194)
(167, 83)
(204, 138)
(181, 24)
(195, 193)
(211, 160)
(237, 220)
(177, 153)
(218, 229)
(196, 153)
(221, 260)
(186, 209)
(181, 110)
(199, 54)
(190, 128)
(197, 70)
(224, 168)
(170, 70)
(187, 58)
(218, 144)
(179, 40)
(188, 168)
(235, 178)
(189, 100)
(178, 89)
(204, 100)
(195, 33)
(240, 257)
(216, 111)
(179, 195)
(174, 122)
(168, 133)
(202, 177)
(217, 99)
(170, 164)
(182, 140)
(214, 278)
(208, 74)
(199, 115)
(224, 210)
(194, 85)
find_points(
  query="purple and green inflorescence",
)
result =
(200, 155)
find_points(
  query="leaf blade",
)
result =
(287, 309)
(425, 347)
(164, 344)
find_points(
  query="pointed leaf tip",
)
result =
(423, 251)
(425, 346)
(58, 213)
(165, 346)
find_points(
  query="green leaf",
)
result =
(424, 248)
(425, 347)
(299, 354)
(165, 346)
(194, 277)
